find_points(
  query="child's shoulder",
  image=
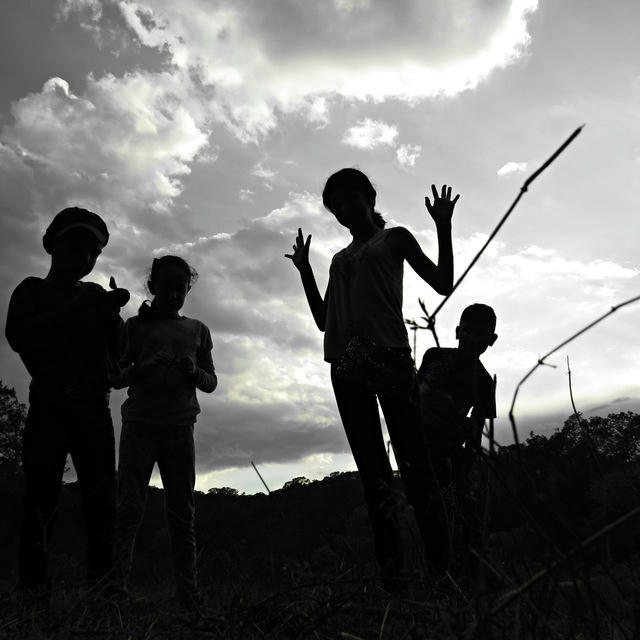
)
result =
(483, 373)
(32, 287)
(196, 324)
(437, 352)
(30, 283)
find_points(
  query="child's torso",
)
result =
(76, 352)
(167, 394)
(364, 296)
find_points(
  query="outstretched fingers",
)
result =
(300, 248)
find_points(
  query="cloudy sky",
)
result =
(206, 128)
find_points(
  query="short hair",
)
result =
(353, 180)
(481, 314)
(72, 218)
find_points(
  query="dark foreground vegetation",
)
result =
(299, 563)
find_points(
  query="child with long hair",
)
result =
(167, 357)
(367, 345)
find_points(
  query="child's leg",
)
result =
(176, 461)
(44, 452)
(138, 453)
(402, 414)
(361, 420)
(93, 455)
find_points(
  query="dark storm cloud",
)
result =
(232, 434)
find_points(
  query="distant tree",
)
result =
(12, 419)
(299, 481)
(223, 491)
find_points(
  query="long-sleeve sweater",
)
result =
(165, 394)
(63, 346)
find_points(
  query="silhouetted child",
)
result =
(367, 344)
(68, 334)
(167, 357)
(453, 382)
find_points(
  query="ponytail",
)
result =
(378, 219)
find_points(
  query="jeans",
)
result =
(393, 381)
(56, 426)
(172, 447)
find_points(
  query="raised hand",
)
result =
(300, 255)
(442, 208)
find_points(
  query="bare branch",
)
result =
(523, 190)
(541, 361)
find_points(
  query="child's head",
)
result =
(476, 330)
(169, 282)
(74, 239)
(350, 196)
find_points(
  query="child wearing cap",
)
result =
(457, 395)
(67, 333)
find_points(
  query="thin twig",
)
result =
(541, 361)
(523, 190)
(583, 428)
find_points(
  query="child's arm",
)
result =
(125, 373)
(405, 245)
(202, 371)
(206, 378)
(130, 369)
(28, 329)
(300, 259)
(473, 442)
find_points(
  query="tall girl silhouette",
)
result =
(367, 345)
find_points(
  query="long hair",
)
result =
(353, 180)
(146, 308)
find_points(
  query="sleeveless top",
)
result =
(364, 297)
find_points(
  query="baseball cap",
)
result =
(73, 218)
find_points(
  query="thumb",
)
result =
(112, 283)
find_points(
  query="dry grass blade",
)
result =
(384, 619)
(508, 598)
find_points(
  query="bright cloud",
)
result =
(124, 141)
(407, 154)
(368, 134)
(512, 167)
(260, 171)
(256, 59)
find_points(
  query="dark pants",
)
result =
(55, 427)
(356, 399)
(451, 507)
(172, 447)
